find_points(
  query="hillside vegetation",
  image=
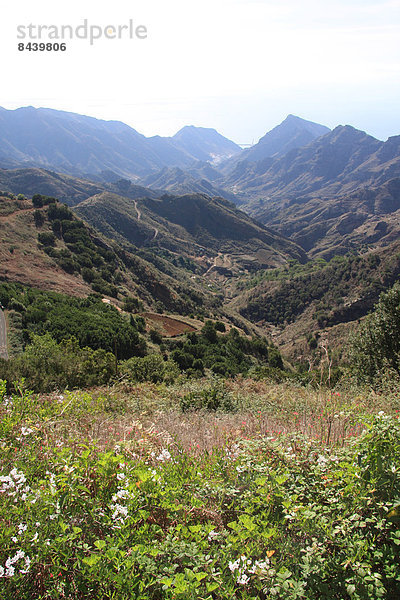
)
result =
(47, 246)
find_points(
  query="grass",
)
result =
(130, 492)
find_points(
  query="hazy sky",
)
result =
(237, 65)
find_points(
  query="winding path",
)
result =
(139, 214)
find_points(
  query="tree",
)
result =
(376, 344)
(47, 238)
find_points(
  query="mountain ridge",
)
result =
(81, 145)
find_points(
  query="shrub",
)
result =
(376, 345)
(155, 336)
(149, 368)
(47, 238)
(215, 398)
(132, 304)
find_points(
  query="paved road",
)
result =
(3, 336)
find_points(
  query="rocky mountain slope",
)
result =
(206, 144)
(47, 247)
(194, 225)
(293, 132)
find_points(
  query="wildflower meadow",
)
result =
(101, 499)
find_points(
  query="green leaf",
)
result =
(247, 522)
(92, 560)
(100, 544)
(261, 481)
(281, 479)
(268, 533)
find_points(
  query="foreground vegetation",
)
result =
(152, 491)
(200, 467)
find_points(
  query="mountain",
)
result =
(181, 181)
(194, 225)
(70, 190)
(330, 226)
(83, 146)
(339, 161)
(293, 132)
(80, 145)
(67, 189)
(206, 144)
(77, 260)
(211, 232)
(295, 303)
(329, 195)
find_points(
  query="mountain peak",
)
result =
(205, 143)
(349, 132)
(293, 132)
(294, 118)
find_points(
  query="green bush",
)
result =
(375, 347)
(215, 398)
(149, 368)
(50, 366)
(155, 336)
(284, 519)
(47, 238)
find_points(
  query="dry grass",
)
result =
(149, 416)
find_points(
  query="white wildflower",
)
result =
(26, 430)
(13, 484)
(120, 512)
(121, 495)
(27, 566)
(234, 565)
(164, 455)
(243, 579)
(259, 565)
(212, 535)
(322, 461)
(10, 562)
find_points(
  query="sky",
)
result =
(240, 66)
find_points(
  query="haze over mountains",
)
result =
(197, 208)
(81, 145)
(327, 190)
(293, 132)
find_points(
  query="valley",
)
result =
(199, 362)
(302, 193)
